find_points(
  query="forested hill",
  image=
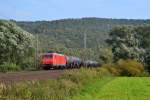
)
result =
(70, 32)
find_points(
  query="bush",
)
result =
(28, 64)
(130, 67)
(112, 69)
(9, 67)
(103, 72)
(124, 68)
(70, 88)
(144, 74)
(80, 76)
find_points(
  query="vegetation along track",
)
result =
(30, 75)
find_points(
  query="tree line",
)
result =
(131, 42)
(17, 46)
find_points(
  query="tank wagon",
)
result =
(73, 62)
(90, 63)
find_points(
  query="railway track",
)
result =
(30, 75)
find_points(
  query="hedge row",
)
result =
(126, 68)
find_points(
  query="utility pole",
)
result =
(85, 37)
(85, 46)
(36, 51)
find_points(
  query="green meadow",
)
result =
(119, 88)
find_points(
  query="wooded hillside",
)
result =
(70, 32)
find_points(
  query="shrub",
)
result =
(9, 67)
(70, 88)
(112, 69)
(80, 76)
(28, 64)
(144, 74)
(15, 44)
(103, 72)
(130, 67)
(124, 68)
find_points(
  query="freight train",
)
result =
(60, 61)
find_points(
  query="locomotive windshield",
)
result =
(47, 56)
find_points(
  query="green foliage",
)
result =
(125, 68)
(69, 87)
(130, 42)
(130, 67)
(147, 60)
(28, 64)
(69, 84)
(102, 71)
(111, 68)
(70, 32)
(9, 67)
(144, 74)
(66, 36)
(15, 43)
(144, 37)
(125, 44)
(105, 56)
(80, 76)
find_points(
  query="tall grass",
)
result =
(69, 84)
(9, 67)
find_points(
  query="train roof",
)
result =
(52, 53)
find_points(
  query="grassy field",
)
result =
(83, 84)
(119, 88)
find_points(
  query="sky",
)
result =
(33, 10)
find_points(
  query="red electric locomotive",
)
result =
(53, 60)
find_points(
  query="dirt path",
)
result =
(30, 75)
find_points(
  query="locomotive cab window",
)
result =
(47, 56)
